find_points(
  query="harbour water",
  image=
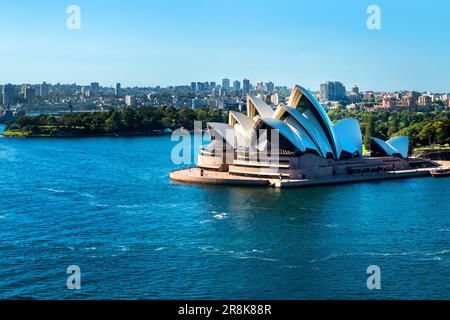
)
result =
(107, 205)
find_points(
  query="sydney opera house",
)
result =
(296, 144)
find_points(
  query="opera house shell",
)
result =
(295, 141)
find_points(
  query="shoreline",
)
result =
(194, 175)
(22, 135)
(65, 136)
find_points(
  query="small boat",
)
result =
(440, 173)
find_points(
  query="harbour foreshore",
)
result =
(200, 176)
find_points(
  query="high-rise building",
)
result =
(9, 95)
(340, 92)
(200, 87)
(94, 88)
(212, 85)
(43, 90)
(130, 101)
(270, 87)
(215, 92)
(260, 85)
(118, 90)
(193, 87)
(24, 89)
(236, 85)
(226, 84)
(30, 94)
(325, 91)
(332, 91)
(355, 90)
(246, 86)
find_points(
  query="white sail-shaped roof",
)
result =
(398, 145)
(243, 126)
(255, 104)
(304, 126)
(223, 131)
(311, 127)
(348, 134)
(241, 119)
(315, 110)
(302, 134)
(401, 144)
(286, 131)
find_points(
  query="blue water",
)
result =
(106, 205)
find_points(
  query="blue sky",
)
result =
(174, 42)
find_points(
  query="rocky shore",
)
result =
(433, 154)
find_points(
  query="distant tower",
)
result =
(332, 91)
(30, 94)
(324, 95)
(226, 84)
(43, 90)
(94, 88)
(9, 95)
(260, 85)
(117, 92)
(246, 86)
(339, 91)
(130, 101)
(236, 85)
(270, 87)
(200, 87)
(193, 87)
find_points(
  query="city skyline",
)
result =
(151, 44)
(252, 84)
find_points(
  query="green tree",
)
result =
(368, 134)
(114, 122)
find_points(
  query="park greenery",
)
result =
(424, 128)
(127, 121)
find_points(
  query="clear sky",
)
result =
(174, 42)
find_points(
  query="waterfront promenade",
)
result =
(197, 175)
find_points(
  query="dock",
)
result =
(199, 176)
(342, 179)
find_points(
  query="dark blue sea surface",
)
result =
(106, 205)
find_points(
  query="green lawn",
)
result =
(432, 148)
(15, 134)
